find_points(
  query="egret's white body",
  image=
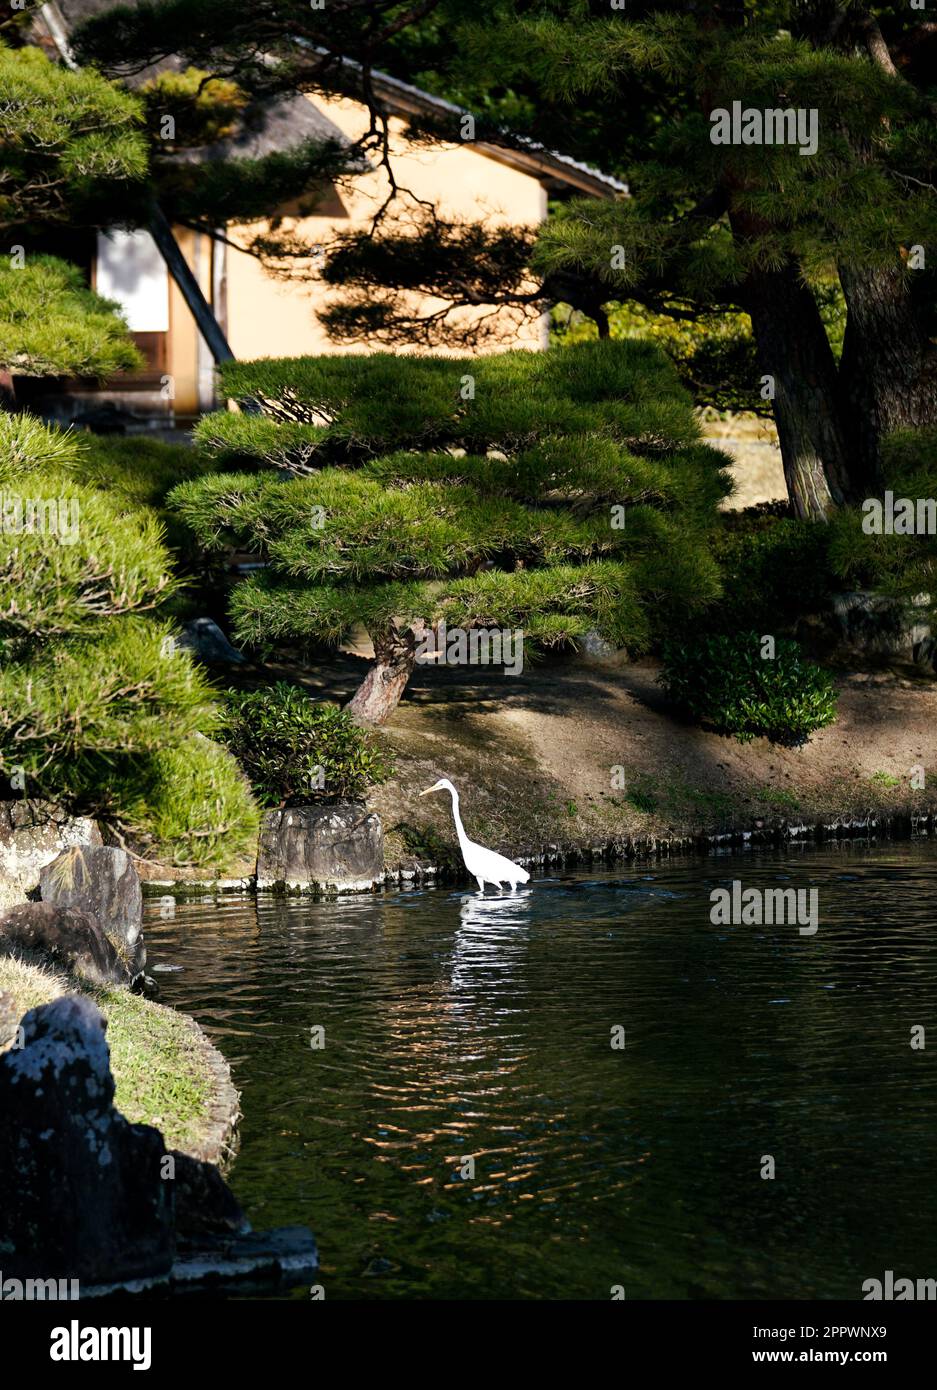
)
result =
(484, 864)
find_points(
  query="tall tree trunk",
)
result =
(888, 369)
(379, 693)
(793, 349)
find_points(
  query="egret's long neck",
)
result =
(460, 828)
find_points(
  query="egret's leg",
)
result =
(481, 884)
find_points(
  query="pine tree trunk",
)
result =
(379, 693)
(888, 369)
(794, 350)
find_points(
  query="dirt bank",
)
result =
(574, 757)
(567, 759)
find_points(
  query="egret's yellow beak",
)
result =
(428, 790)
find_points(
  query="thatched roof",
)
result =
(285, 122)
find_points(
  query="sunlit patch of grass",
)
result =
(885, 779)
(160, 1074)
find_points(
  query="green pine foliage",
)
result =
(70, 556)
(714, 352)
(71, 143)
(96, 703)
(407, 489)
(27, 447)
(51, 324)
(190, 804)
(203, 108)
(211, 192)
(138, 473)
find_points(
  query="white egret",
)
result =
(484, 864)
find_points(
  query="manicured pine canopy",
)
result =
(399, 491)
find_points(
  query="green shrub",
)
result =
(774, 569)
(725, 681)
(295, 750)
(904, 567)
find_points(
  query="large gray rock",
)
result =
(83, 1193)
(32, 834)
(204, 1204)
(102, 881)
(88, 1196)
(321, 847)
(205, 640)
(64, 937)
(878, 625)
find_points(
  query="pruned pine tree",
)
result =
(749, 226)
(51, 324)
(553, 493)
(99, 711)
(745, 222)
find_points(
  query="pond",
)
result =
(429, 1079)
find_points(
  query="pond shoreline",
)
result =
(456, 1025)
(572, 763)
(875, 829)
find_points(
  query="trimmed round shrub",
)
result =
(726, 682)
(295, 750)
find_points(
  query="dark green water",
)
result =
(455, 1027)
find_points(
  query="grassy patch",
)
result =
(159, 1072)
(885, 779)
(777, 796)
